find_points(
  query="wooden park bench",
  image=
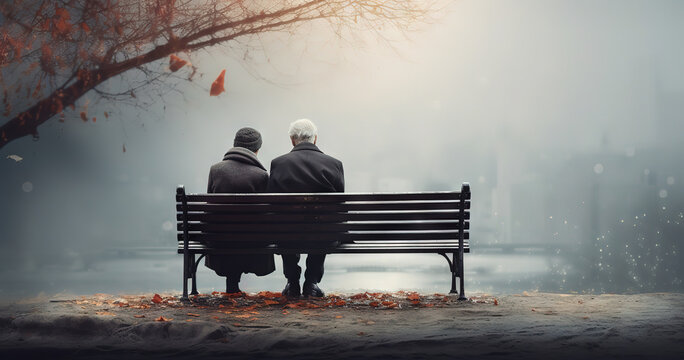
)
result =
(331, 223)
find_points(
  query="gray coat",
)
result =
(239, 172)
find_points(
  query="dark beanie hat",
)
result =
(248, 138)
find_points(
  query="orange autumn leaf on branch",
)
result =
(217, 85)
(175, 63)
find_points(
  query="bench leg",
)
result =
(459, 263)
(186, 270)
(452, 269)
(194, 273)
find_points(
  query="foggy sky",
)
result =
(497, 93)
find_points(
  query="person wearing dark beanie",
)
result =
(248, 138)
(240, 172)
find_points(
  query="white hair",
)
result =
(303, 130)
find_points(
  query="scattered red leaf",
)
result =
(374, 304)
(496, 302)
(338, 317)
(270, 302)
(217, 85)
(413, 296)
(157, 299)
(192, 314)
(243, 316)
(162, 319)
(84, 117)
(176, 63)
(237, 324)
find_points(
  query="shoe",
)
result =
(232, 286)
(312, 289)
(292, 290)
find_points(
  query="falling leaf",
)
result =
(217, 85)
(156, 299)
(162, 319)
(139, 316)
(175, 63)
(16, 158)
(84, 117)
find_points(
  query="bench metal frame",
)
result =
(330, 223)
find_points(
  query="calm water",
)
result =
(160, 271)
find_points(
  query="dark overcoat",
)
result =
(239, 172)
(306, 169)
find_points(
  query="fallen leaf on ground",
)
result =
(161, 319)
(370, 322)
(105, 313)
(361, 333)
(16, 158)
(496, 302)
(157, 299)
(270, 302)
(237, 324)
(413, 296)
(338, 317)
(374, 304)
(243, 316)
(192, 314)
(139, 316)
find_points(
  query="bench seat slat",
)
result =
(320, 197)
(344, 248)
(319, 208)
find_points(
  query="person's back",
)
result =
(305, 169)
(240, 172)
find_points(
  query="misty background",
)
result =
(564, 116)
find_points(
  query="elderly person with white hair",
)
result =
(305, 169)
